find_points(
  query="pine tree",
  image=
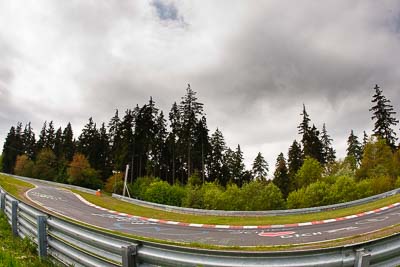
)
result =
(175, 125)
(190, 110)
(50, 136)
(88, 141)
(327, 149)
(115, 137)
(216, 158)
(28, 141)
(10, 151)
(158, 148)
(365, 140)
(238, 166)
(41, 143)
(58, 144)
(103, 152)
(260, 168)
(201, 147)
(354, 149)
(227, 167)
(281, 175)
(295, 161)
(68, 142)
(383, 114)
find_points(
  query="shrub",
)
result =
(297, 199)
(115, 183)
(23, 166)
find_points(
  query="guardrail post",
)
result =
(129, 255)
(3, 201)
(14, 217)
(362, 258)
(42, 235)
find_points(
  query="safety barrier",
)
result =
(222, 212)
(255, 213)
(71, 243)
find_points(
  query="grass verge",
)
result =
(15, 187)
(121, 206)
(17, 252)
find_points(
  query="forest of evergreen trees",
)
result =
(176, 161)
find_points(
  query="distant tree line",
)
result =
(192, 165)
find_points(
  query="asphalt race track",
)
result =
(66, 203)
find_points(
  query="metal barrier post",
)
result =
(42, 235)
(129, 256)
(362, 258)
(14, 217)
(2, 201)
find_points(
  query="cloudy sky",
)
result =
(252, 63)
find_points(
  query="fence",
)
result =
(223, 212)
(71, 243)
(255, 213)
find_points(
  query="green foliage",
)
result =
(23, 166)
(260, 168)
(364, 188)
(80, 173)
(1, 162)
(377, 160)
(115, 183)
(397, 183)
(317, 194)
(163, 193)
(45, 165)
(310, 172)
(139, 187)
(193, 198)
(17, 252)
(231, 199)
(212, 195)
(297, 199)
(342, 190)
(194, 179)
(381, 184)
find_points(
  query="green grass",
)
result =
(17, 252)
(15, 187)
(121, 206)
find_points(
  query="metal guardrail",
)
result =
(255, 213)
(71, 243)
(221, 212)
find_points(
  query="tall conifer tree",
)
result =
(383, 114)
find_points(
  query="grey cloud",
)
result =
(253, 67)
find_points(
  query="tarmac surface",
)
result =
(66, 203)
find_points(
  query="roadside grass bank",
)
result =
(17, 252)
(124, 207)
(18, 188)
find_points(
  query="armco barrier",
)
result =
(73, 244)
(221, 212)
(255, 213)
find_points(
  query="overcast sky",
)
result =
(252, 63)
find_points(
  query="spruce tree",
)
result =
(216, 158)
(238, 166)
(201, 147)
(50, 136)
(175, 125)
(260, 168)
(115, 137)
(365, 140)
(10, 151)
(103, 152)
(295, 161)
(281, 175)
(327, 149)
(68, 142)
(58, 144)
(29, 141)
(354, 149)
(190, 110)
(41, 143)
(383, 114)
